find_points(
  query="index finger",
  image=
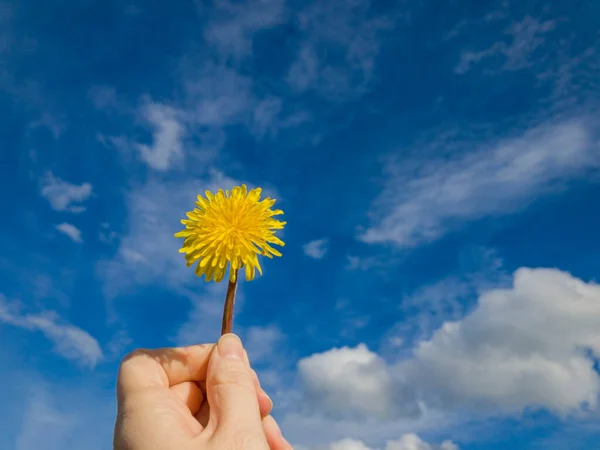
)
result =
(163, 367)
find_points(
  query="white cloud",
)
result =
(316, 249)
(353, 31)
(218, 95)
(64, 196)
(311, 428)
(364, 263)
(39, 414)
(527, 37)
(531, 346)
(348, 379)
(261, 342)
(449, 298)
(52, 123)
(69, 341)
(232, 30)
(411, 441)
(149, 252)
(408, 441)
(265, 116)
(521, 347)
(104, 98)
(305, 69)
(203, 323)
(167, 147)
(70, 230)
(348, 444)
(44, 423)
(421, 204)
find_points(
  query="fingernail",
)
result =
(268, 398)
(230, 346)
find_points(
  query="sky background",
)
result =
(438, 163)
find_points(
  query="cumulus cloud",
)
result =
(316, 249)
(447, 299)
(64, 196)
(527, 346)
(421, 205)
(71, 231)
(348, 444)
(411, 441)
(408, 441)
(348, 379)
(530, 346)
(69, 341)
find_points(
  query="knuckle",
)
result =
(129, 369)
(132, 356)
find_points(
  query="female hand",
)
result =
(201, 397)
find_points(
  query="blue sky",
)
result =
(438, 165)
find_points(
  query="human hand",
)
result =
(202, 397)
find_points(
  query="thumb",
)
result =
(231, 392)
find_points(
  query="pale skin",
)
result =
(203, 397)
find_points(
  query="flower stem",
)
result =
(228, 309)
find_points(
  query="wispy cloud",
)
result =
(71, 231)
(103, 98)
(52, 123)
(148, 252)
(166, 124)
(69, 341)
(353, 30)
(232, 30)
(167, 136)
(421, 205)
(56, 415)
(44, 422)
(203, 323)
(316, 249)
(65, 196)
(262, 342)
(525, 36)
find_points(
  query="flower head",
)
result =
(230, 229)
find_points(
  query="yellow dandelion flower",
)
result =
(228, 230)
